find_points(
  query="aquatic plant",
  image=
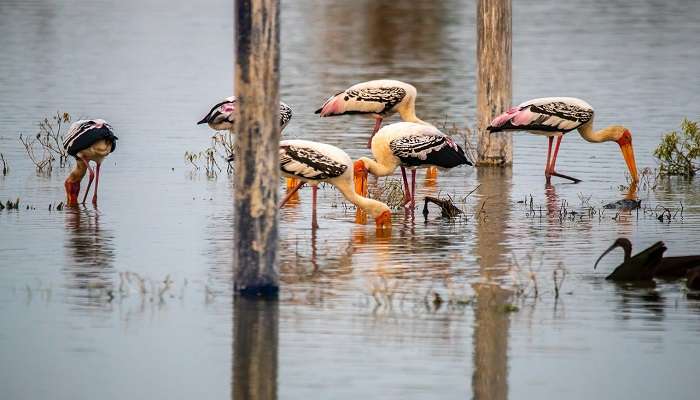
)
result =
(678, 152)
(5, 165)
(466, 136)
(50, 140)
(222, 147)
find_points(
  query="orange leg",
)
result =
(554, 162)
(91, 177)
(290, 194)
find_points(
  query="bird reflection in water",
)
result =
(91, 253)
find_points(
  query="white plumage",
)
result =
(314, 162)
(222, 115)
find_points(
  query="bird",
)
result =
(222, 115)
(554, 117)
(87, 140)
(649, 264)
(376, 99)
(313, 163)
(410, 145)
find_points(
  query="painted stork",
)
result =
(554, 117)
(87, 140)
(409, 145)
(314, 162)
(222, 117)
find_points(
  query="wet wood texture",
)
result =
(494, 72)
(255, 344)
(256, 82)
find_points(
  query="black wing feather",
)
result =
(419, 150)
(309, 163)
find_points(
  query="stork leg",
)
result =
(413, 189)
(314, 222)
(549, 157)
(97, 182)
(291, 193)
(90, 178)
(554, 162)
(377, 125)
(406, 188)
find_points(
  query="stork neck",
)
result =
(408, 112)
(609, 134)
(376, 168)
(78, 172)
(371, 207)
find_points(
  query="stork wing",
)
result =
(371, 100)
(435, 149)
(543, 115)
(308, 163)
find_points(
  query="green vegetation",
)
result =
(678, 152)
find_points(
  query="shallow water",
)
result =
(358, 314)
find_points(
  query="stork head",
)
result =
(624, 140)
(360, 176)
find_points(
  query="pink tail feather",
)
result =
(505, 117)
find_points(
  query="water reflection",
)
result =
(490, 377)
(254, 349)
(90, 252)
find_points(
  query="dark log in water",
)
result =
(257, 165)
(494, 73)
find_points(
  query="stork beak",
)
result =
(360, 177)
(384, 220)
(204, 120)
(611, 248)
(625, 143)
(72, 191)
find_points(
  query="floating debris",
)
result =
(624, 204)
(447, 208)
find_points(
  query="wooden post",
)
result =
(257, 136)
(493, 58)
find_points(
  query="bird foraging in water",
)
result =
(649, 263)
(554, 117)
(376, 99)
(223, 116)
(313, 163)
(409, 145)
(640, 267)
(87, 140)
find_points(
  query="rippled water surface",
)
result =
(85, 308)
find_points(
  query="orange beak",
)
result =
(625, 143)
(383, 220)
(360, 177)
(72, 191)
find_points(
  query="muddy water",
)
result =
(86, 311)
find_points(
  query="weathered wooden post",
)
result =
(493, 58)
(256, 86)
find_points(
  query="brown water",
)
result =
(357, 316)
